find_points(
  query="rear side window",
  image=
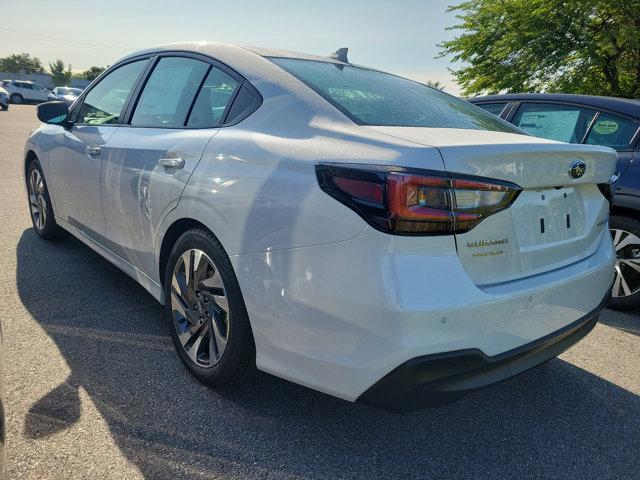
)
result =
(564, 123)
(494, 108)
(104, 103)
(169, 92)
(370, 97)
(612, 131)
(244, 104)
(216, 93)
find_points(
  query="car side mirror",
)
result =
(55, 113)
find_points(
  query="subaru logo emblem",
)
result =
(577, 169)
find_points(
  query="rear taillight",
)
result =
(416, 202)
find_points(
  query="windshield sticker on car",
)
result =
(556, 125)
(605, 127)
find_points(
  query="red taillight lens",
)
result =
(370, 192)
(415, 202)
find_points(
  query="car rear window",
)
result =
(370, 97)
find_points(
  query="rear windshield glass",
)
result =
(370, 97)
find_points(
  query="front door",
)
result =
(76, 160)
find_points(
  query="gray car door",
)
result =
(76, 160)
(151, 159)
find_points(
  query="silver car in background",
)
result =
(67, 95)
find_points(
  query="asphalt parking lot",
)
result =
(93, 389)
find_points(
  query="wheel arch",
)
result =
(170, 237)
(29, 157)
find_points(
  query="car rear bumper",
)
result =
(340, 317)
(442, 378)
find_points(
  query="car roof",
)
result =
(622, 105)
(253, 64)
(215, 49)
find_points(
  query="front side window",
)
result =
(216, 93)
(612, 131)
(370, 97)
(564, 123)
(168, 94)
(105, 102)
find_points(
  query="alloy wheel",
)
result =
(199, 307)
(627, 279)
(37, 201)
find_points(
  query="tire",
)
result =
(4, 107)
(40, 209)
(17, 98)
(625, 231)
(207, 314)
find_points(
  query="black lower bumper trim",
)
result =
(442, 378)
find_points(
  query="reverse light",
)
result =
(416, 202)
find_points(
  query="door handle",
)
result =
(171, 162)
(93, 151)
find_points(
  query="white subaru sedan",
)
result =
(341, 227)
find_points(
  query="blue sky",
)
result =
(397, 36)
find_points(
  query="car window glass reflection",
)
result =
(169, 92)
(564, 123)
(612, 131)
(104, 103)
(212, 100)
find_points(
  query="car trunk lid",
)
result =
(557, 219)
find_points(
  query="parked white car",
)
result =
(21, 91)
(347, 229)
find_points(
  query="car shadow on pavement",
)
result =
(626, 321)
(555, 421)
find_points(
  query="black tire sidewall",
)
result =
(631, 225)
(240, 348)
(17, 95)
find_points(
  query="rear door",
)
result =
(578, 124)
(617, 132)
(151, 157)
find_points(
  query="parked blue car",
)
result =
(613, 122)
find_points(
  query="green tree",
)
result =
(59, 75)
(437, 85)
(21, 63)
(574, 46)
(92, 73)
